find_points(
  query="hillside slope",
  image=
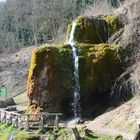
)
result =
(14, 70)
(125, 118)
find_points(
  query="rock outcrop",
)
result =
(14, 71)
(50, 80)
(95, 29)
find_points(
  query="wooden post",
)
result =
(76, 134)
(0, 116)
(4, 118)
(10, 119)
(56, 121)
(27, 123)
(16, 121)
(41, 123)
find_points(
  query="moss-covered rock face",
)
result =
(50, 78)
(113, 23)
(50, 81)
(99, 64)
(94, 29)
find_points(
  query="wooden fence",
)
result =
(30, 121)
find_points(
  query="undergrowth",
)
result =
(7, 131)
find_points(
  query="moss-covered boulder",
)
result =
(50, 81)
(94, 29)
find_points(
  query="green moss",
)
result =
(99, 66)
(67, 134)
(95, 29)
(119, 137)
(39, 57)
(69, 26)
(26, 137)
(6, 131)
(114, 23)
(63, 70)
(59, 63)
(89, 30)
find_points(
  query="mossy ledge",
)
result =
(50, 81)
(94, 29)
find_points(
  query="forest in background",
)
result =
(34, 22)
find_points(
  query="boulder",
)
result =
(7, 102)
(10, 102)
(3, 104)
(50, 79)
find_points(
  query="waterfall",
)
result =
(76, 90)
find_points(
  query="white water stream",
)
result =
(76, 90)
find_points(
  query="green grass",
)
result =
(66, 134)
(6, 131)
(63, 134)
(93, 136)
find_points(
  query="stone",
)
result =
(10, 102)
(3, 104)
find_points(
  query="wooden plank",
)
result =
(46, 114)
(10, 112)
(30, 120)
(16, 118)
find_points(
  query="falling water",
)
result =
(76, 92)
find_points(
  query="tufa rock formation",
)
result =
(95, 29)
(50, 79)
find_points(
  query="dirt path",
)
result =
(109, 131)
(98, 128)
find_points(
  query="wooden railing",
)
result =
(30, 121)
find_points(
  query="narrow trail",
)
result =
(109, 131)
(99, 129)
